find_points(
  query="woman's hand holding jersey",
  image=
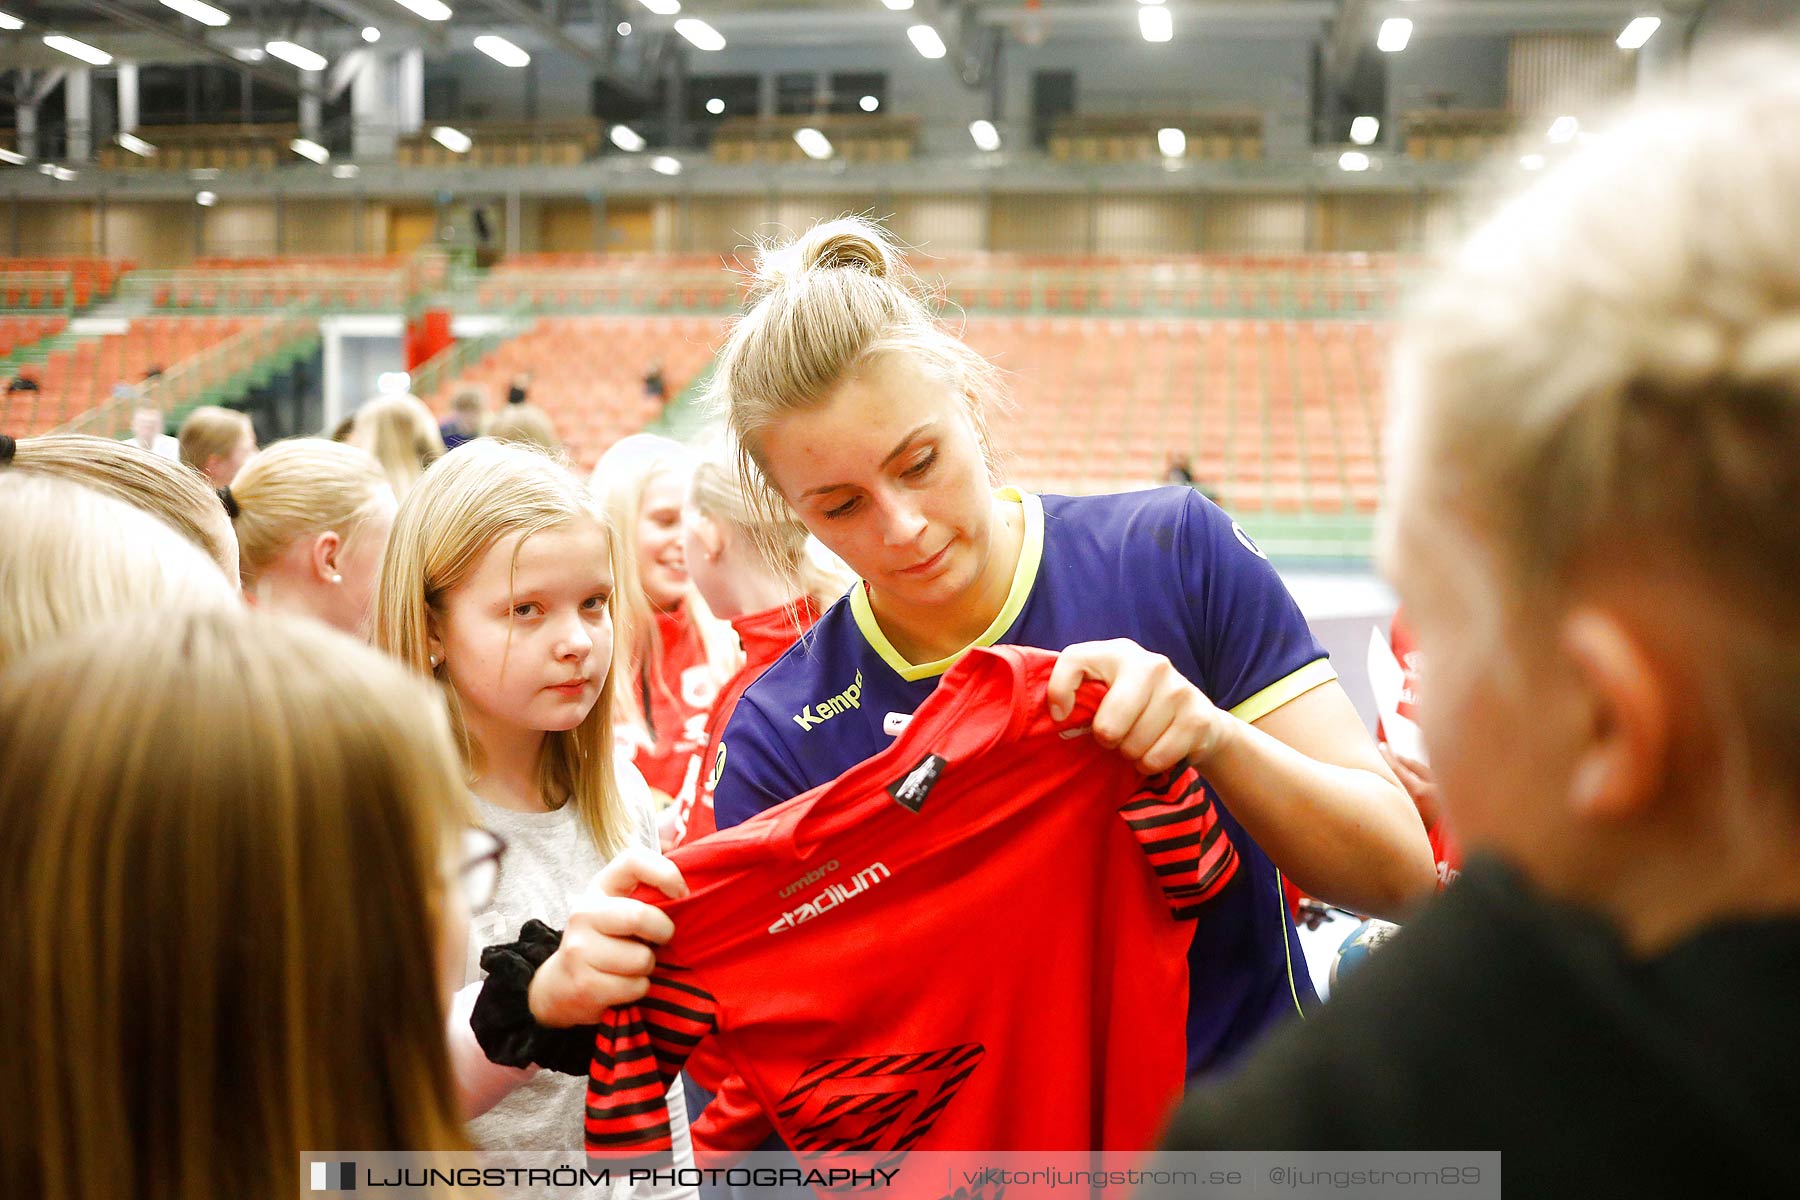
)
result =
(1304, 780)
(1151, 714)
(605, 958)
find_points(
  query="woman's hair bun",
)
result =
(847, 243)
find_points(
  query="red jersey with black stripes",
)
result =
(976, 940)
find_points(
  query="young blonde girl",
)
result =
(526, 423)
(401, 434)
(674, 654)
(216, 442)
(235, 855)
(169, 490)
(74, 557)
(498, 584)
(312, 520)
(763, 573)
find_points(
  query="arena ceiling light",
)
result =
(8, 21)
(75, 49)
(136, 145)
(702, 35)
(206, 199)
(431, 10)
(248, 54)
(1155, 23)
(1364, 130)
(370, 34)
(898, 5)
(346, 171)
(926, 41)
(8, 156)
(869, 103)
(206, 14)
(1171, 141)
(662, 8)
(1532, 162)
(663, 164)
(1638, 32)
(624, 28)
(297, 55)
(502, 51)
(307, 148)
(65, 175)
(812, 142)
(626, 138)
(1563, 129)
(1395, 32)
(715, 106)
(1353, 160)
(453, 140)
(985, 135)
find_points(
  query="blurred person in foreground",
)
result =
(1595, 531)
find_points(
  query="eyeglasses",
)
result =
(479, 874)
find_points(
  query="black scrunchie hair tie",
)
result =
(7, 446)
(231, 506)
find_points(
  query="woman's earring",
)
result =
(434, 662)
(337, 579)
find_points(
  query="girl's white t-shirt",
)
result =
(550, 860)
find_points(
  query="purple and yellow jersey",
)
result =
(1165, 568)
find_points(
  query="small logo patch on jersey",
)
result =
(894, 724)
(910, 790)
(1244, 540)
(718, 768)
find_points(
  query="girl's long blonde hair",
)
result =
(301, 488)
(620, 479)
(402, 435)
(480, 493)
(74, 557)
(786, 549)
(178, 494)
(226, 897)
(210, 432)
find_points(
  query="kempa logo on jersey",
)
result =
(844, 701)
(811, 877)
(833, 895)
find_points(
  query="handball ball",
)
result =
(1363, 941)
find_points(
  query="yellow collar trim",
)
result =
(1031, 555)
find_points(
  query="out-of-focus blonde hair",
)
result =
(620, 480)
(297, 489)
(1609, 371)
(403, 437)
(788, 552)
(210, 432)
(74, 557)
(227, 896)
(177, 494)
(481, 492)
(821, 307)
(525, 423)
